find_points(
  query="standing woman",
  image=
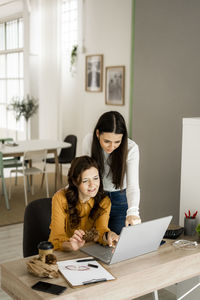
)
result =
(118, 160)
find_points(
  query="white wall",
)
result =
(33, 53)
(65, 106)
(49, 79)
(44, 68)
(107, 31)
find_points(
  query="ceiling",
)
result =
(4, 2)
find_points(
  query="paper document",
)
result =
(83, 271)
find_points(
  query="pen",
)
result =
(93, 266)
(94, 281)
(85, 259)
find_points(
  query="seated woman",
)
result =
(80, 207)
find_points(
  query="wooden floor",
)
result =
(11, 249)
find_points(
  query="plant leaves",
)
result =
(26, 107)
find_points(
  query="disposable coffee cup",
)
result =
(45, 248)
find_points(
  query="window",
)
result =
(11, 70)
(69, 26)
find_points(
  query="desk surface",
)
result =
(135, 277)
(30, 145)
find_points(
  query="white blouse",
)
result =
(131, 178)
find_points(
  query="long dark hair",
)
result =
(114, 122)
(78, 166)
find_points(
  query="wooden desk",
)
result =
(32, 145)
(135, 277)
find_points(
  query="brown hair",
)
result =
(78, 166)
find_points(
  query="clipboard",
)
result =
(83, 271)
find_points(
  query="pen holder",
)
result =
(189, 226)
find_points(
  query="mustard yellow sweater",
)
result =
(61, 230)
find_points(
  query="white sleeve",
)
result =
(132, 181)
(87, 144)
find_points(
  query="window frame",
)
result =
(3, 104)
(67, 44)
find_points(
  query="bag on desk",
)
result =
(42, 269)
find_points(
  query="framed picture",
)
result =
(94, 73)
(115, 78)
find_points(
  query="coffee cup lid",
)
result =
(45, 245)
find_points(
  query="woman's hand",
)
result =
(112, 239)
(132, 220)
(76, 241)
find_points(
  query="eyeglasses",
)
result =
(77, 268)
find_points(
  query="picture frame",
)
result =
(115, 85)
(94, 73)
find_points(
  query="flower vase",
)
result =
(16, 135)
(16, 131)
(27, 129)
(189, 226)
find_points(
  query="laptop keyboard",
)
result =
(104, 253)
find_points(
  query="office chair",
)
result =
(34, 157)
(37, 218)
(66, 154)
(7, 163)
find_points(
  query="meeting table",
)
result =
(52, 146)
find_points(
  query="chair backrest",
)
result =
(37, 219)
(8, 163)
(35, 156)
(67, 154)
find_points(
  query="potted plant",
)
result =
(198, 230)
(26, 107)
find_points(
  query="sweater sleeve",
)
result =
(132, 181)
(101, 223)
(58, 220)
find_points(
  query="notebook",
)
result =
(133, 241)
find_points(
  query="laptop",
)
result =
(133, 241)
